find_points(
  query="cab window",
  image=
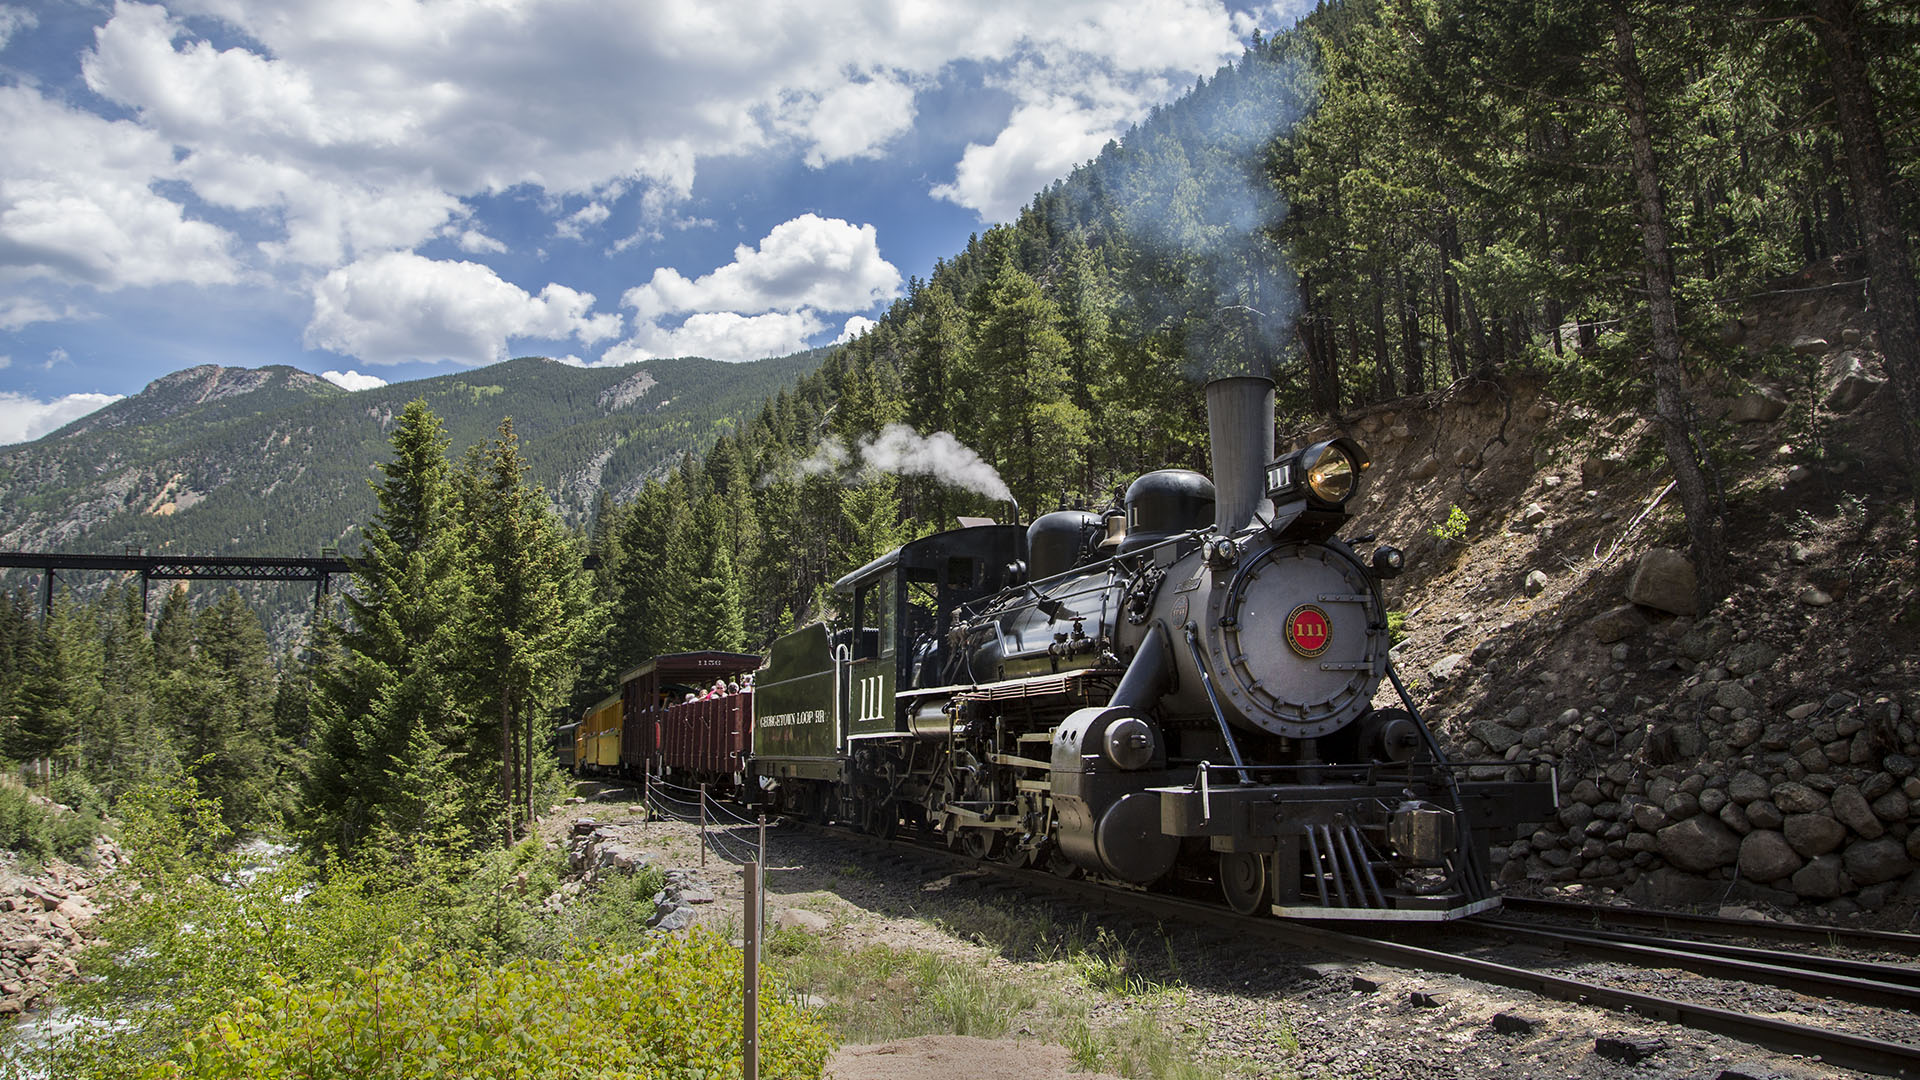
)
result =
(873, 613)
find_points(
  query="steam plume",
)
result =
(900, 450)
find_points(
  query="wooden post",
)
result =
(750, 1048)
(703, 826)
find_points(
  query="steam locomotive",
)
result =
(1178, 689)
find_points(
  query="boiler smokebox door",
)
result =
(1300, 652)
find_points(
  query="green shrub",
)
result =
(39, 830)
(669, 1014)
(1454, 528)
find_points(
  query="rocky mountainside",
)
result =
(216, 460)
(1761, 752)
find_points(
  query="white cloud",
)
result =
(13, 20)
(808, 262)
(5, 362)
(719, 335)
(857, 325)
(353, 380)
(1040, 143)
(475, 242)
(355, 126)
(24, 419)
(574, 225)
(77, 202)
(767, 301)
(851, 121)
(398, 306)
(20, 311)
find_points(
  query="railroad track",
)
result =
(1876, 985)
(1602, 916)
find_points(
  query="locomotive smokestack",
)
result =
(1240, 424)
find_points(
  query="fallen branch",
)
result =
(1632, 525)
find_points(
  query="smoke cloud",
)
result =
(1212, 210)
(900, 450)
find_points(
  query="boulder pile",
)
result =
(1717, 774)
(44, 919)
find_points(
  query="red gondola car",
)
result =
(689, 742)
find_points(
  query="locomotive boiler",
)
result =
(1179, 689)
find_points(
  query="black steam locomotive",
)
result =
(1181, 688)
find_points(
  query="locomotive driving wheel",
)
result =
(1243, 880)
(880, 817)
(979, 843)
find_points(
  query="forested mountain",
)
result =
(273, 461)
(1389, 199)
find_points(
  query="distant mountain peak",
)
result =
(170, 395)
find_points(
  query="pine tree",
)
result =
(385, 669)
(529, 617)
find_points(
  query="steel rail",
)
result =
(1865, 987)
(1896, 974)
(1679, 921)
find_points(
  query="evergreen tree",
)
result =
(226, 720)
(528, 619)
(385, 675)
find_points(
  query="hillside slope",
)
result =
(273, 461)
(1762, 751)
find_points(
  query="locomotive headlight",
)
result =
(1327, 473)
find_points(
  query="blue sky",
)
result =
(383, 190)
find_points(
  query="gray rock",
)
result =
(1891, 807)
(1649, 818)
(1681, 805)
(1900, 765)
(1809, 345)
(1813, 834)
(1536, 583)
(1444, 668)
(674, 919)
(801, 919)
(1854, 812)
(1803, 710)
(1731, 695)
(1495, 734)
(1813, 597)
(1798, 799)
(1853, 383)
(1747, 786)
(1744, 733)
(1699, 844)
(1617, 624)
(1870, 862)
(1763, 405)
(1877, 785)
(1588, 792)
(1735, 818)
(1533, 515)
(1751, 657)
(1821, 879)
(1711, 800)
(1762, 814)
(1765, 855)
(1664, 581)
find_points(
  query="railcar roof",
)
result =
(694, 664)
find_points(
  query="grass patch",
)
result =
(1079, 991)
